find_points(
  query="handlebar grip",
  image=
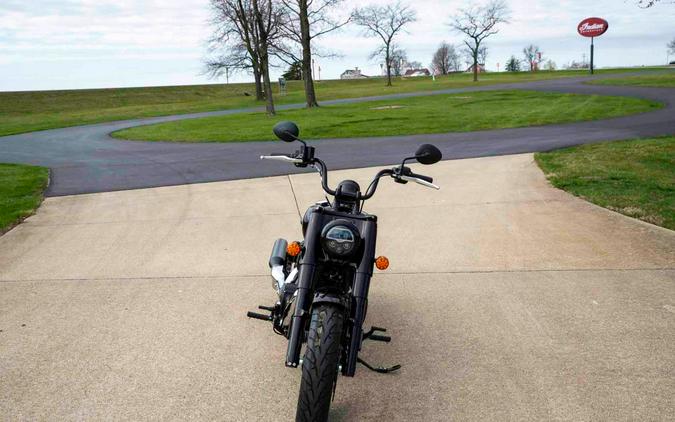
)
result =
(423, 177)
(282, 157)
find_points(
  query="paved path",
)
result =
(508, 300)
(85, 159)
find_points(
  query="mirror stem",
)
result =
(406, 159)
(297, 139)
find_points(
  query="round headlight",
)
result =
(340, 239)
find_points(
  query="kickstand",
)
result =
(379, 369)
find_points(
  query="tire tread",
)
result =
(319, 366)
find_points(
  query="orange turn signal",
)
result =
(294, 249)
(382, 263)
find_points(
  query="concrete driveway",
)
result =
(507, 300)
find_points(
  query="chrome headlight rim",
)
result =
(328, 244)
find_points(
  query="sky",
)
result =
(73, 44)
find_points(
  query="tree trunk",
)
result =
(269, 106)
(263, 34)
(306, 40)
(259, 96)
(475, 65)
(388, 64)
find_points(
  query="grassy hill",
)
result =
(38, 110)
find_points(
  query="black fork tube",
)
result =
(360, 293)
(304, 300)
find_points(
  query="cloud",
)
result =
(111, 27)
(133, 41)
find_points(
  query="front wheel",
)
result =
(320, 364)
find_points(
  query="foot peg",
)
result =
(376, 337)
(269, 317)
(370, 334)
(259, 316)
(379, 369)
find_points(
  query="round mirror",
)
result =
(286, 131)
(428, 154)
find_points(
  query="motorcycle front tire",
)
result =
(320, 363)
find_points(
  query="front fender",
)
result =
(339, 300)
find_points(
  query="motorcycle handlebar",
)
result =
(401, 173)
(323, 171)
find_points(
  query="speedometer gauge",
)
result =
(340, 239)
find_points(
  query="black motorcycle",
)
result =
(323, 281)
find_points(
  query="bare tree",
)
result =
(671, 46)
(532, 55)
(235, 40)
(577, 65)
(266, 18)
(445, 59)
(478, 23)
(236, 59)
(398, 58)
(482, 54)
(649, 3)
(384, 22)
(469, 56)
(550, 65)
(310, 19)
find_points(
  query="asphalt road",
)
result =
(86, 159)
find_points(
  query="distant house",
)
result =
(353, 74)
(413, 73)
(481, 68)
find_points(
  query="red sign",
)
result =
(592, 27)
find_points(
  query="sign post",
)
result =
(592, 27)
(592, 38)
(282, 86)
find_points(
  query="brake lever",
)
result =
(420, 182)
(282, 157)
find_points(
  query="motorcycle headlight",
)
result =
(340, 239)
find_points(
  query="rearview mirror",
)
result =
(428, 154)
(286, 131)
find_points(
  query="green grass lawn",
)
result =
(21, 190)
(416, 115)
(663, 80)
(30, 111)
(635, 178)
